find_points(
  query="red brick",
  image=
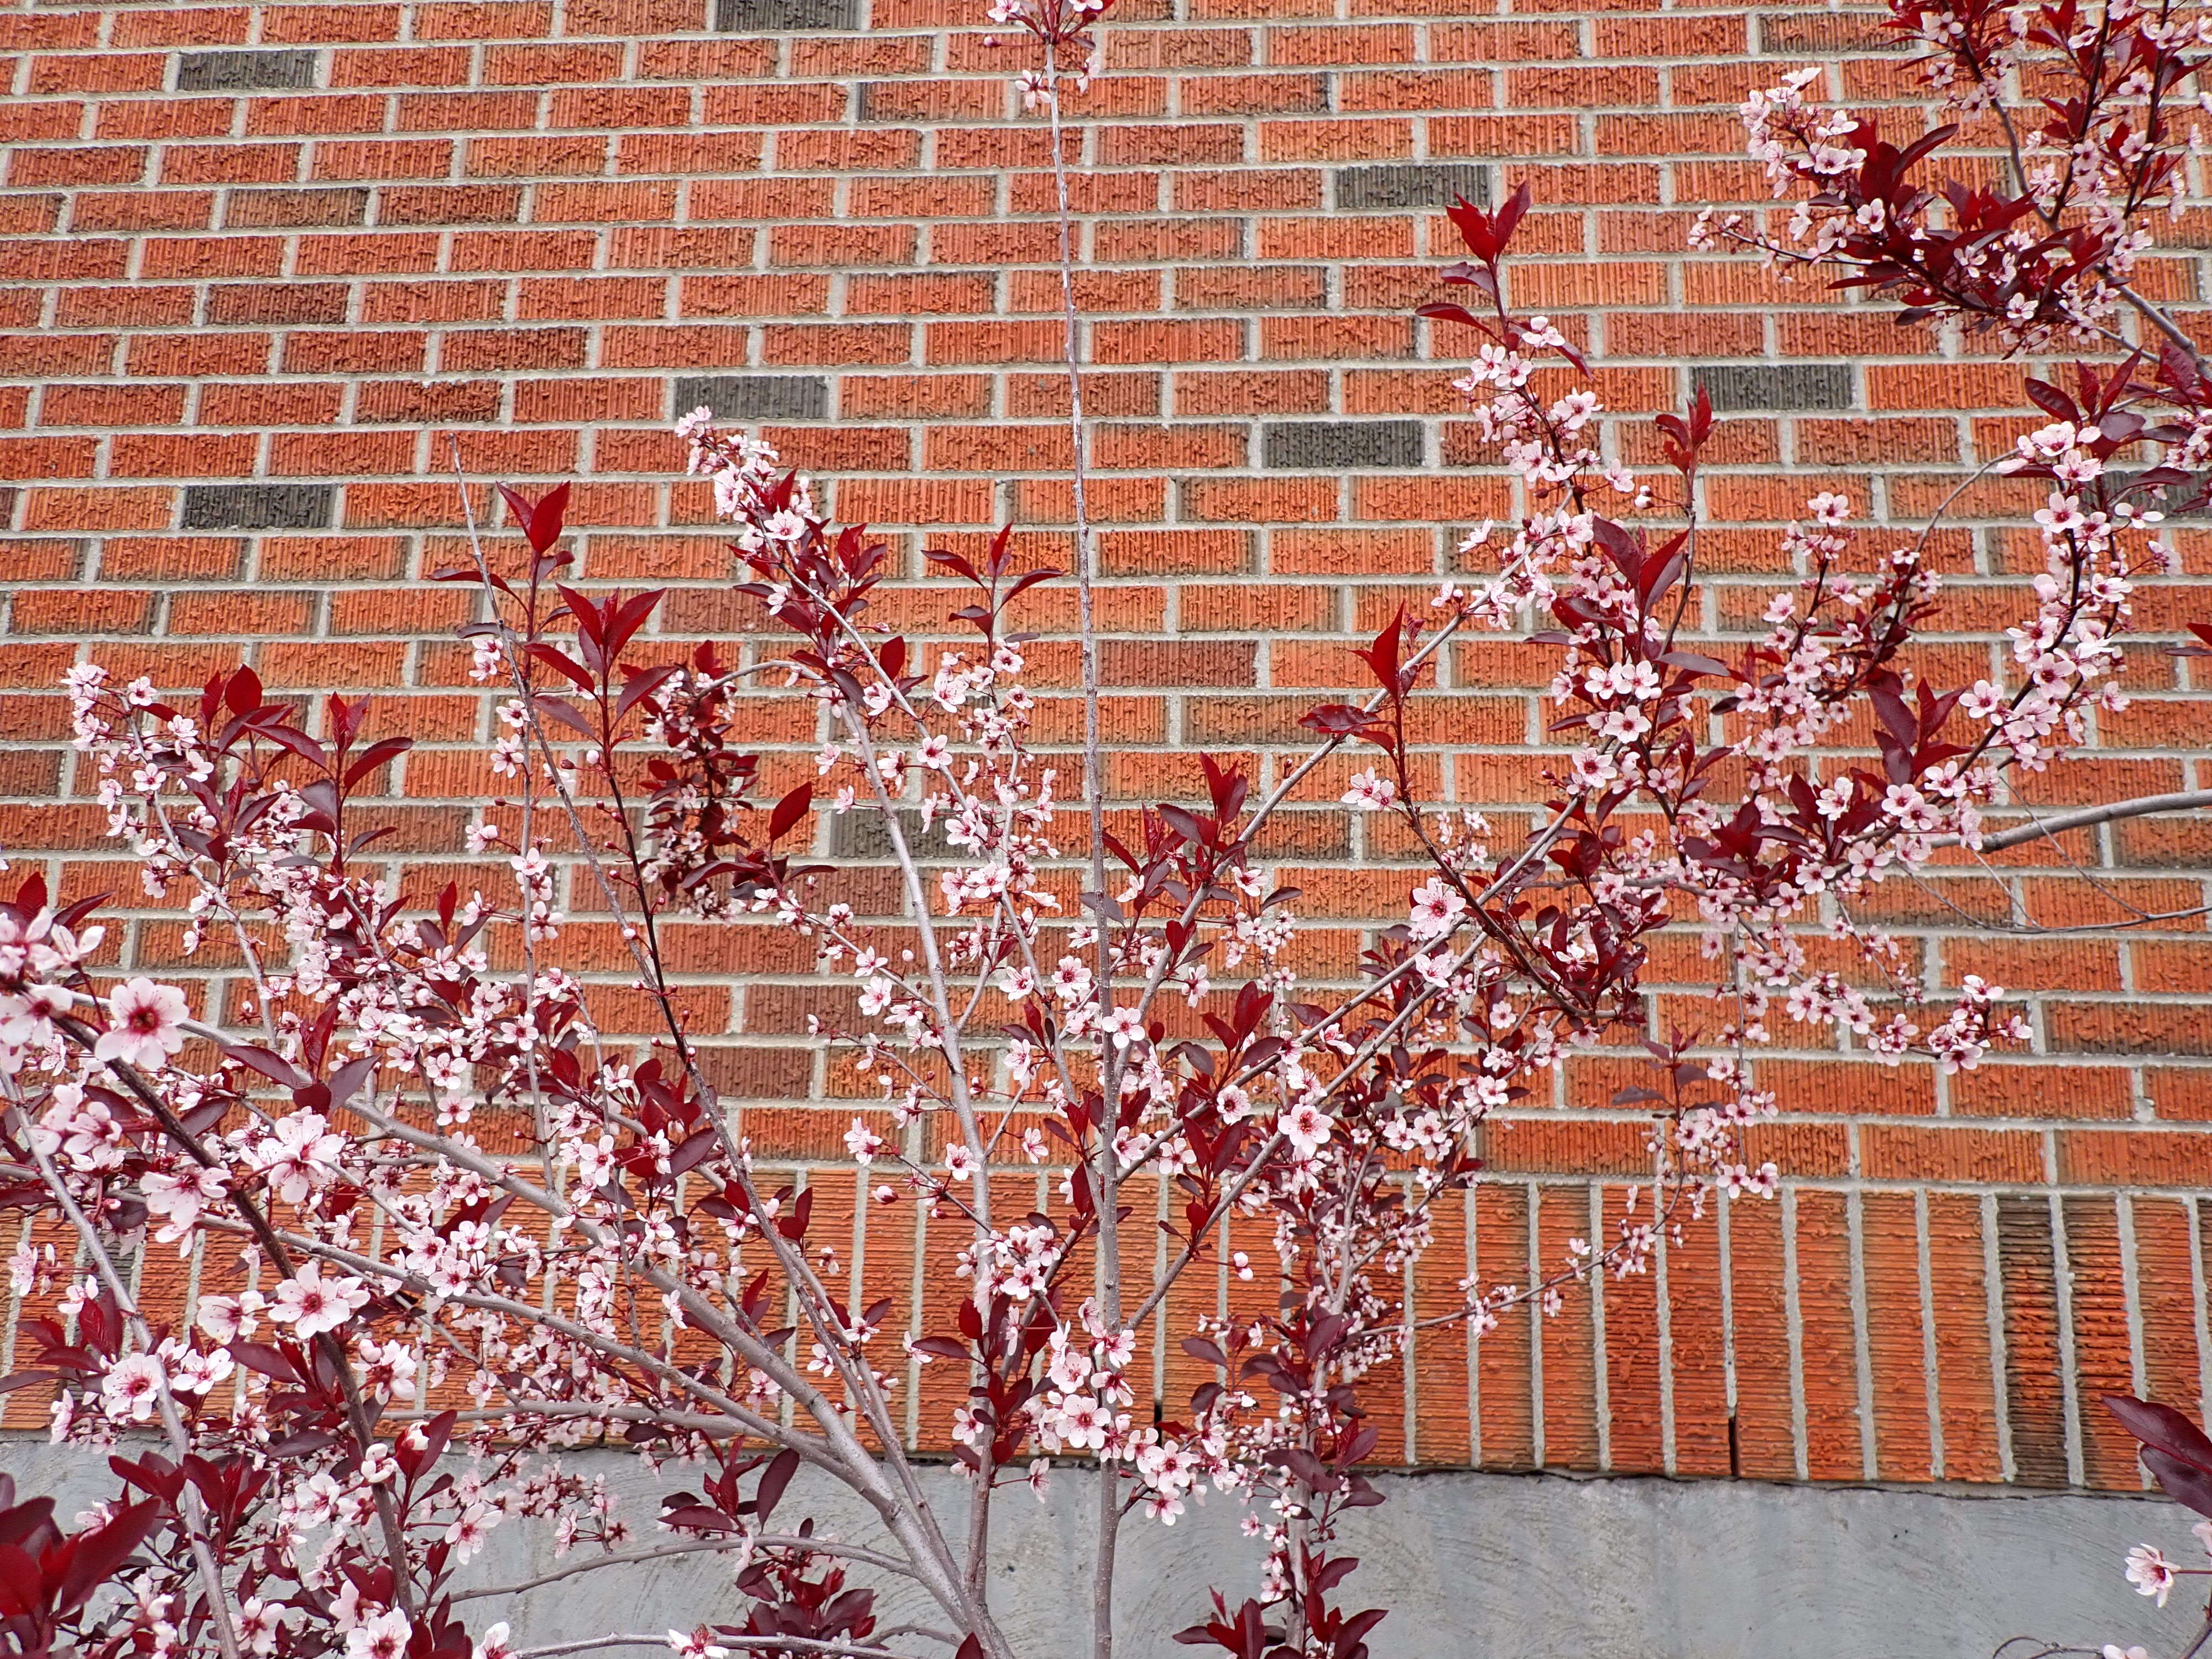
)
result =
(2123, 1158)
(106, 71)
(76, 166)
(148, 209)
(1567, 1338)
(1893, 1152)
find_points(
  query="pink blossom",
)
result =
(2150, 1572)
(259, 1625)
(1083, 1423)
(179, 1199)
(132, 1388)
(29, 1017)
(387, 1367)
(1369, 792)
(300, 1155)
(1307, 1127)
(312, 1305)
(226, 1318)
(146, 1024)
(382, 1637)
(1437, 905)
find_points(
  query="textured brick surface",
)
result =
(260, 267)
(755, 397)
(737, 16)
(231, 70)
(1342, 444)
(1738, 388)
(1404, 185)
(257, 507)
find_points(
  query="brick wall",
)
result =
(261, 260)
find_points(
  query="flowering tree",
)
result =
(467, 1223)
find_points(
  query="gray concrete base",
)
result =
(1495, 1566)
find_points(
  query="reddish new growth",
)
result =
(467, 1221)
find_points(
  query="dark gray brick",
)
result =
(1777, 386)
(860, 836)
(232, 70)
(755, 396)
(766, 16)
(1342, 446)
(258, 505)
(2181, 501)
(1788, 34)
(1410, 183)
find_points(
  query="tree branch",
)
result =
(748, 1644)
(190, 1508)
(699, 1546)
(2185, 800)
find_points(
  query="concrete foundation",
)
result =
(1495, 1565)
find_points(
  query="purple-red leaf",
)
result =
(788, 811)
(2163, 1429)
(2183, 1482)
(542, 519)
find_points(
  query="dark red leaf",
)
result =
(693, 1152)
(1336, 718)
(274, 1067)
(98, 1554)
(260, 1356)
(2182, 1481)
(561, 662)
(2163, 1429)
(376, 753)
(788, 811)
(22, 1586)
(772, 1480)
(1444, 311)
(541, 521)
(565, 712)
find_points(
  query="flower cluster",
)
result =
(2044, 263)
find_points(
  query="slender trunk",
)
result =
(978, 1536)
(1106, 1173)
